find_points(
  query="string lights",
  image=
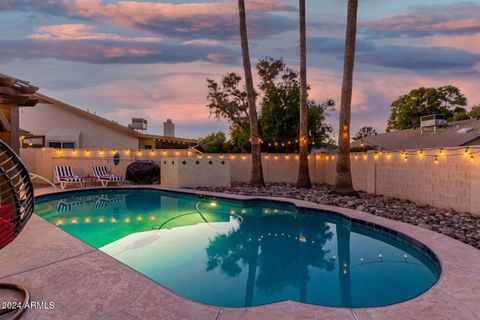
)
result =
(421, 154)
(438, 155)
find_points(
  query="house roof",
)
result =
(109, 123)
(16, 91)
(450, 136)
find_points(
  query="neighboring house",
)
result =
(64, 126)
(453, 134)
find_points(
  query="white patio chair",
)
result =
(64, 175)
(104, 176)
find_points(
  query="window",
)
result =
(56, 145)
(61, 145)
(68, 145)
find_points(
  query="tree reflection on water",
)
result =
(278, 250)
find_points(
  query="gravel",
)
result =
(461, 226)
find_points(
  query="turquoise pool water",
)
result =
(237, 254)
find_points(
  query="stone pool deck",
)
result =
(85, 283)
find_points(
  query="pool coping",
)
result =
(455, 294)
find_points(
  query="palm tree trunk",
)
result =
(252, 274)
(303, 180)
(344, 264)
(343, 180)
(256, 178)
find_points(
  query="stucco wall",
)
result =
(452, 182)
(42, 161)
(44, 117)
(277, 168)
(192, 172)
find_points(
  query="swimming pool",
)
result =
(245, 253)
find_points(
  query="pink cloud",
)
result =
(82, 32)
(458, 18)
(204, 19)
(178, 91)
(175, 91)
(469, 43)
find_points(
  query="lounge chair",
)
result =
(64, 175)
(104, 176)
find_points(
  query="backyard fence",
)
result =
(445, 178)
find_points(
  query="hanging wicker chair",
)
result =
(16, 208)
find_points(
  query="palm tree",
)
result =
(256, 178)
(343, 180)
(303, 180)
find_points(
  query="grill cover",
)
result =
(143, 172)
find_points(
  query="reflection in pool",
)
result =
(236, 254)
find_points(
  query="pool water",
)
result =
(244, 253)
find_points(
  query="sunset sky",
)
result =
(150, 59)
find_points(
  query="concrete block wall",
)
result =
(448, 182)
(451, 182)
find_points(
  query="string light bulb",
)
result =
(435, 159)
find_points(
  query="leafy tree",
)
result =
(214, 143)
(364, 132)
(280, 113)
(475, 112)
(407, 110)
(279, 118)
(279, 95)
(460, 115)
(239, 142)
(228, 101)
